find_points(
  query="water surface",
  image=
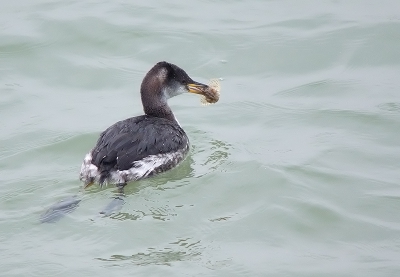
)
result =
(295, 172)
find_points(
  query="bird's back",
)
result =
(135, 138)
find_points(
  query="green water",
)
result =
(294, 172)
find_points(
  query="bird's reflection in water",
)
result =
(58, 210)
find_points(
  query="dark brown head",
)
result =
(163, 81)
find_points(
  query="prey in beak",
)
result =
(210, 93)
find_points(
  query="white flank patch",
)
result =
(140, 169)
(88, 170)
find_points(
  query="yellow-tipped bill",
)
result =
(197, 88)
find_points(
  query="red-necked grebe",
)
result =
(142, 146)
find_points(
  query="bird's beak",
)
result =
(198, 88)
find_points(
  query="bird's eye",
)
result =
(184, 82)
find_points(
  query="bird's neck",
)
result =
(162, 111)
(154, 96)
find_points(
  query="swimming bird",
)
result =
(142, 146)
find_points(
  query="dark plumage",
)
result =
(142, 146)
(133, 139)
